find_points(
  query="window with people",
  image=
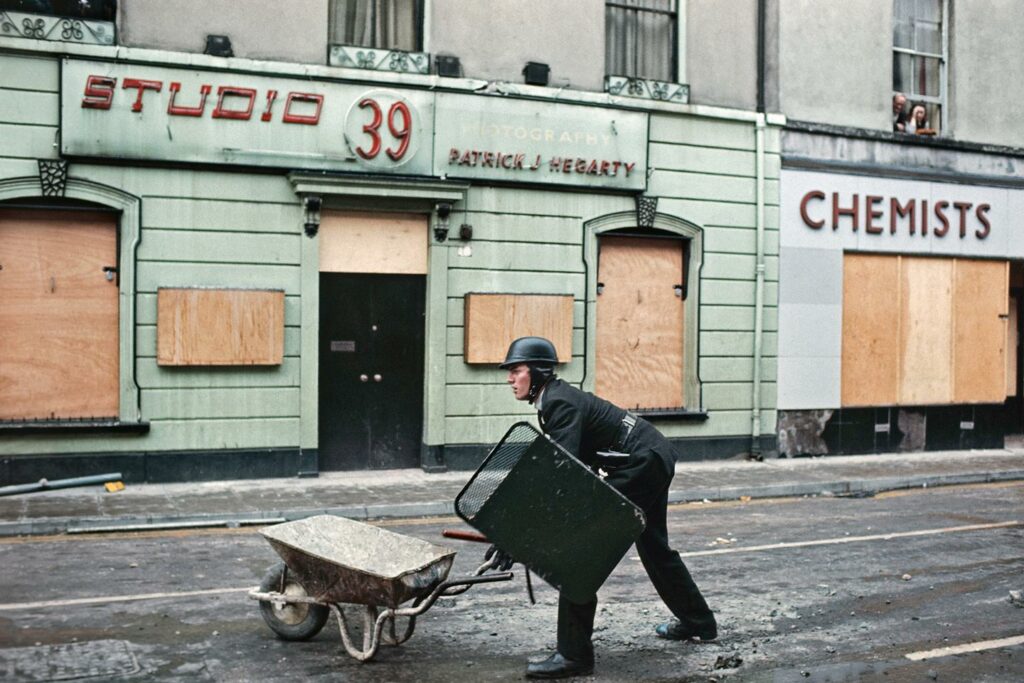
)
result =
(919, 66)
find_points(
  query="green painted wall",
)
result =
(199, 228)
(704, 171)
(239, 229)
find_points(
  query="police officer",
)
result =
(584, 424)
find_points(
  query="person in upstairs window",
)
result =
(899, 114)
(584, 424)
(918, 122)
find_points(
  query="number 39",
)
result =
(401, 133)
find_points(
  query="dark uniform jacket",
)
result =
(584, 424)
(578, 421)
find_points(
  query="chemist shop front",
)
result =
(247, 273)
(899, 313)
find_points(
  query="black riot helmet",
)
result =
(539, 355)
(530, 350)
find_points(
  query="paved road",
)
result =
(818, 589)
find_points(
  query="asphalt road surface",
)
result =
(914, 586)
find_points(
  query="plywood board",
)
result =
(393, 243)
(979, 335)
(871, 330)
(926, 376)
(492, 321)
(220, 327)
(59, 340)
(1012, 340)
(640, 322)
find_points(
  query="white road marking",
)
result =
(852, 539)
(118, 598)
(722, 551)
(966, 647)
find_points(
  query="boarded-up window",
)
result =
(923, 331)
(640, 321)
(494, 320)
(220, 327)
(394, 243)
(59, 344)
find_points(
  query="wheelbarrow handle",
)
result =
(464, 535)
(460, 586)
(483, 578)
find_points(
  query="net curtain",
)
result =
(639, 38)
(389, 24)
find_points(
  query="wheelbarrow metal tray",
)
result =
(339, 560)
(549, 511)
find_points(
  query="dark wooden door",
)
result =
(371, 370)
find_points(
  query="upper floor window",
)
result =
(919, 65)
(104, 10)
(73, 21)
(640, 38)
(385, 24)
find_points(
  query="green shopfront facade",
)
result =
(312, 272)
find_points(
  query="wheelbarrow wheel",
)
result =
(295, 620)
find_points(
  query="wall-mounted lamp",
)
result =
(443, 210)
(536, 73)
(218, 46)
(312, 205)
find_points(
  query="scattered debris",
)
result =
(1017, 598)
(932, 674)
(857, 494)
(744, 499)
(728, 661)
(907, 577)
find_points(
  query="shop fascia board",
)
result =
(203, 62)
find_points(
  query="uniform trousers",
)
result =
(644, 480)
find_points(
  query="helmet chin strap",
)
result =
(539, 376)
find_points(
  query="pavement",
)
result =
(410, 493)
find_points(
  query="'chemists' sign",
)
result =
(147, 112)
(896, 215)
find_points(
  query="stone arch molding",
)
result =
(129, 225)
(663, 223)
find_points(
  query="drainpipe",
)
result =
(755, 413)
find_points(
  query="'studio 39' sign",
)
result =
(136, 111)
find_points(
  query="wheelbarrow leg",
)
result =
(372, 628)
(391, 636)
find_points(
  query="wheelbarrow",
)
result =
(331, 561)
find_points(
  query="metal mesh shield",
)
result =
(495, 468)
(549, 511)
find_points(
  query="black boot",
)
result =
(557, 666)
(676, 630)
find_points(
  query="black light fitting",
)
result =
(536, 73)
(218, 46)
(312, 205)
(448, 66)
